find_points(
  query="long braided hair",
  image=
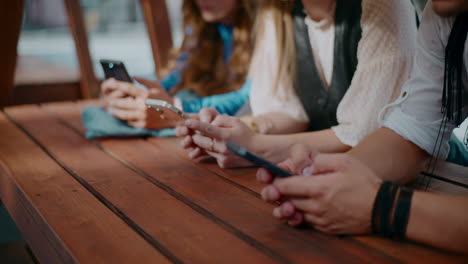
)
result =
(453, 95)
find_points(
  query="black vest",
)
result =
(320, 102)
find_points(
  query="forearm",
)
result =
(439, 220)
(279, 123)
(276, 148)
(390, 156)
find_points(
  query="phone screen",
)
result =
(238, 150)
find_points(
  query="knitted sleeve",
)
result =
(385, 58)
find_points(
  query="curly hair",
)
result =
(208, 74)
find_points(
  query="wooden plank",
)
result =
(159, 31)
(229, 206)
(61, 221)
(89, 83)
(171, 226)
(11, 13)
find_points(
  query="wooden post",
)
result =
(89, 83)
(11, 15)
(159, 31)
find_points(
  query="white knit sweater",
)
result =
(385, 55)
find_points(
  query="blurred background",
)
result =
(116, 30)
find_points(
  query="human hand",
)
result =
(215, 130)
(125, 101)
(194, 152)
(334, 193)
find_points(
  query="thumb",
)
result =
(326, 163)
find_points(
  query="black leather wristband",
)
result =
(386, 227)
(377, 207)
(402, 212)
(381, 212)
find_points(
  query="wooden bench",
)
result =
(142, 201)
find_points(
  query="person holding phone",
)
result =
(210, 69)
(326, 67)
(359, 192)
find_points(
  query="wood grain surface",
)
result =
(142, 201)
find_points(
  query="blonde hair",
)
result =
(207, 73)
(278, 12)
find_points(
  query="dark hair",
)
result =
(454, 90)
(453, 95)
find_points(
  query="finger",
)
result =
(207, 115)
(309, 206)
(317, 221)
(208, 129)
(221, 159)
(127, 115)
(193, 116)
(324, 163)
(187, 143)
(108, 86)
(297, 186)
(182, 131)
(271, 194)
(116, 94)
(210, 144)
(203, 142)
(128, 104)
(225, 121)
(195, 153)
(131, 89)
(137, 124)
(301, 158)
(285, 211)
(264, 176)
(297, 219)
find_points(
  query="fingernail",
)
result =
(189, 123)
(272, 193)
(307, 171)
(261, 175)
(288, 209)
(263, 194)
(277, 212)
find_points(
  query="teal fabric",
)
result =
(8, 231)
(458, 152)
(101, 124)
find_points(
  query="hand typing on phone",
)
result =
(215, 129)
(126, 101)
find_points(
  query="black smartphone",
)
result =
(115, 69)
(242, 152)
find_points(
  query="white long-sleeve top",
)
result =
(385, 55)
(416, 114)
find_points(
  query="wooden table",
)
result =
(143, 201)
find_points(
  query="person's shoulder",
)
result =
(434, 26)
